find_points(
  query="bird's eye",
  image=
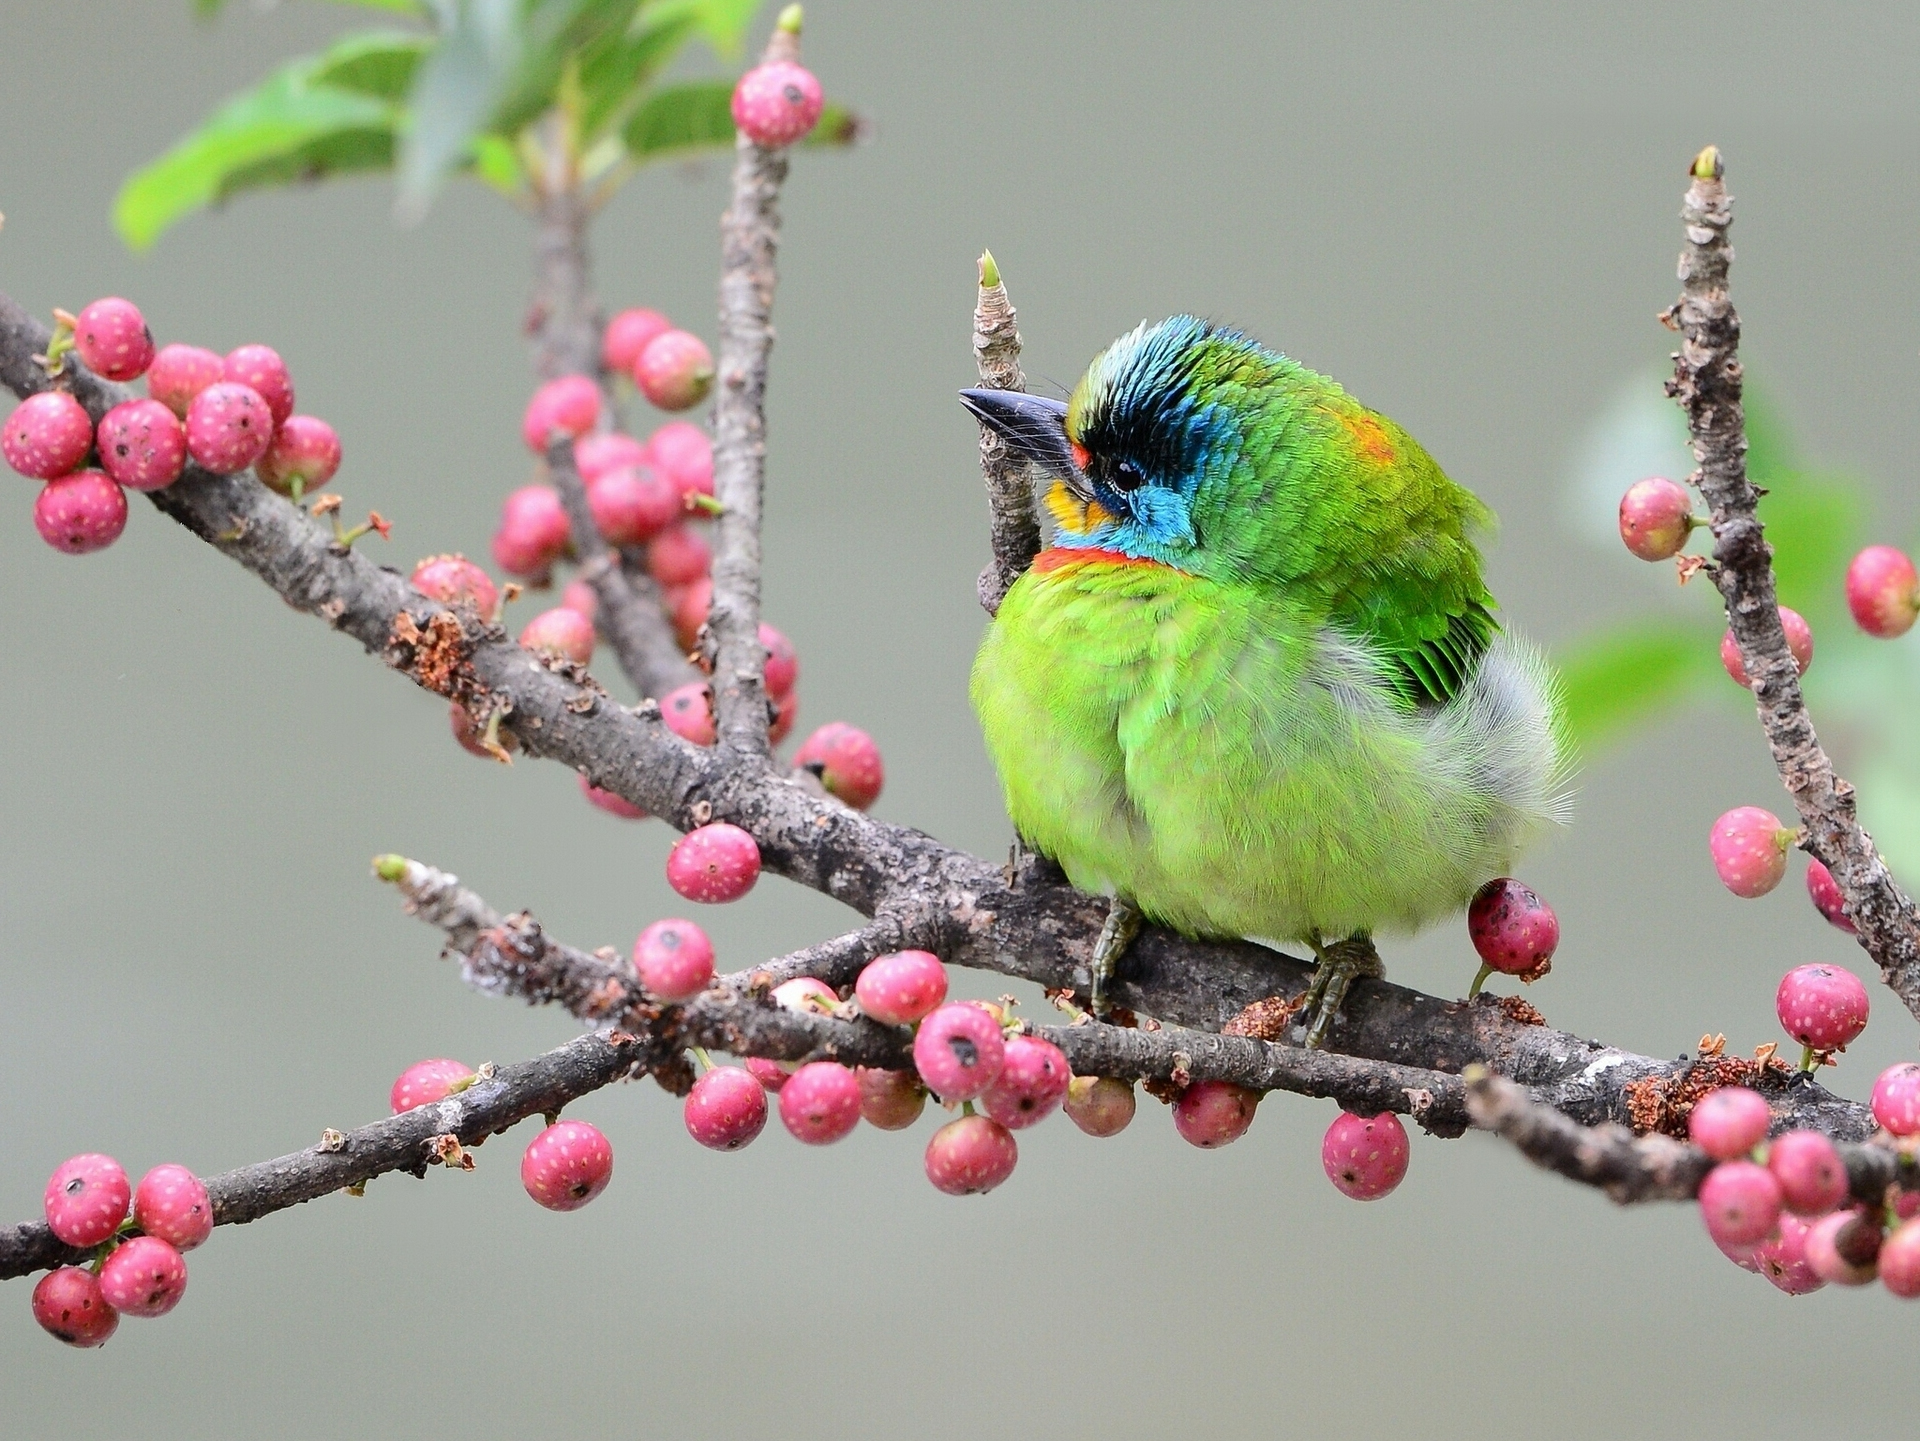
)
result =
(1125, 475)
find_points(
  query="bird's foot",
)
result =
(1123, 924)
(1341, 964)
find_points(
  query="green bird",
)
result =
(1255, 687)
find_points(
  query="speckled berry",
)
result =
(80, 513)
(1899, 1261)
(901, 986)
(180, 372)
(1214, 1113)
(958, 1051)
(632, 504)
(627, 334)
(1749, 849)
(305, 452)
(1824, 891)
(1099, 1105)
(579, 596)
(613, 805)
(86, 1199)
(605, 451)
(564, 408)
(820, 1104)
(1883, 591)
(770, 1074)
(142, 445)
(1728, 1123)
(688, 712)
(673, 959)
(47, 435)
(806, 995)
(1843, 1248)
(847, 762)
(1824, 1007)
(1365, 1156)
(112, 338)
(1656, 516)
(777, 103)
(560, 632)
(783, 665)
(1812, 1177)
(786, 712)
(567, 1165)
(260, 368)
(455, 580)
(1799, 646)
(725, 1109)
(1031, 1085)
(678, 556)
(970, 1156)
(1896, 1099)
(425, 1082)
(1740, 1203)
(228, 427)
(533, 531)
(144, 1277)
(1782, 1258)
(714, 864)
(682, 453)
(890, 1100)
(1514, 931)
(69, 1306)
(171, 1202)
(675, 371)
(690, 604)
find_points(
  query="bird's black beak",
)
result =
(1035, 429)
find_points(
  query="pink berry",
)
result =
(1214, 1113)
(806, 995)
(142, 445)
(1896, 1099)
(683, 454)
(688, 712)
(770, 1074)
(47, 435)
(1749, 848)
(1827, 898)
(674, 959)
(452, 579)
(900, 987)
(86, 1199)
(1824, 1007)
(890, 1100)
(1514, 931)
(970, 1156)
(627, 335)
(1906, 1204)
(725, 1109)
(1031, 1085)
(472, 737)
(1365, 1156)
(144, 1277)
(1899, 1262)
(533, 531)
(608, 450)
(113, 339)
(1812, 1177)
(677, 556)
(1843, 1247)
(1099, 1105)
(567, 1165)
(1740, 1202)
(958, 1051)
(1799, 646)
(785, 715)
(579, 596)
(847, 762)
(820, 1103)
(80, 513)
(690, 604)
(560, 632)
(675, 371)
(425, 1082)
(1782, 1258)
(304, 449)
(228, 427)
(180, 372)
(1883, 592)
(260, 368)
(172, 1203)
(613, 805)
(714, 864)
(783, 666)
(632, 505)
(1728, 1123)
(777, 103)
(568, 406)
(68, 1305)
(1656, 517)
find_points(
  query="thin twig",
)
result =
(1707, 379)
(1013, 527)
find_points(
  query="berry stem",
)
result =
(1479, 981)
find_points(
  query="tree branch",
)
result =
(1707, 380)
(565, 318)
(1013, 527)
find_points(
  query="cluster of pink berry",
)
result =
(226, 413)
(137, 1268)
(1782, 1208)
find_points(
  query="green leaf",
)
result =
(288, 127)
(1618, 676)
(497, 162)
(613, 75)
(379, 63)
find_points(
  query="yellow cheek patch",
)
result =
(1072, 514)
(1369, 438)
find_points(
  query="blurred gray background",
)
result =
(1467, 213)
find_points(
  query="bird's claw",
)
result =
(1122, 925)
(1341, 964)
